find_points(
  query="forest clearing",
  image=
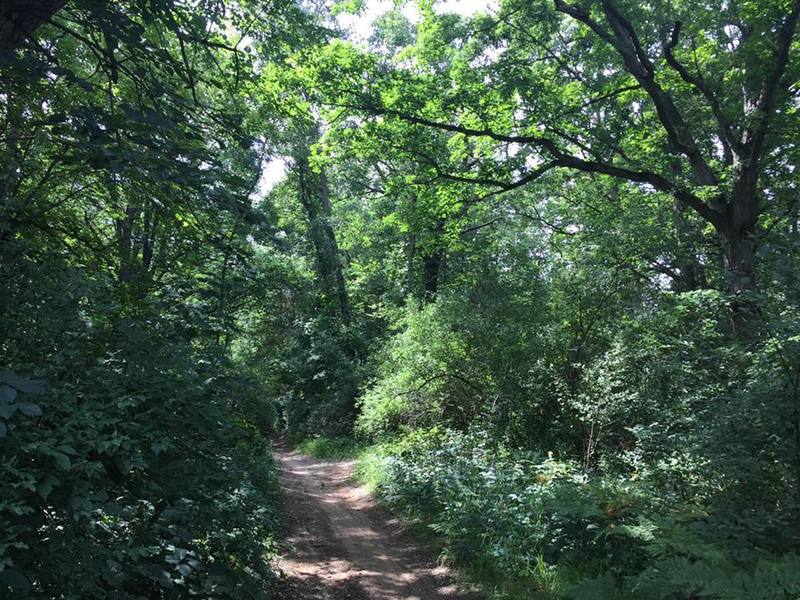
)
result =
(413, 299)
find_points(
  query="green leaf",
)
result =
(159, 446)
(62, 461)
(7, 394)
(15, 580)
(45, 487)
(29, 386)
(29, 409)
(6, 410)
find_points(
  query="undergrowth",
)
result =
(330, 448)
(526, 526)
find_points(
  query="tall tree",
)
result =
(669, 101)
(314, 195)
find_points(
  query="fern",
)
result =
(680, 577)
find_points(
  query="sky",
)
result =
(359, 28)
(360, 25)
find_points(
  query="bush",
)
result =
(133, 465)
(469, 355)
(535, 526)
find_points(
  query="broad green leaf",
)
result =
(29, 409)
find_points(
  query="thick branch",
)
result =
(766, 99)
(725, 125)
(560, 159)
(659, 182)
(479, 226)
(469, 131)
(504, 186)
(625, 41)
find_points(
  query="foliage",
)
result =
(534, 526)
(543, 258)
(329, 448)
(140, 458)
(134, 458)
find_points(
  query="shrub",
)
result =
(133, 461)
(536, 526)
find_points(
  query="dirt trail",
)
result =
(338, 545)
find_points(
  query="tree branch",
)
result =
(469, 131)
(561, 159)
(766, 99)
(725, 125)
(624, 40)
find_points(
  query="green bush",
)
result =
(133, 461)
(534, 526)
(329, 448)
(475, 353)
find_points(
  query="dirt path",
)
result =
(338, 545)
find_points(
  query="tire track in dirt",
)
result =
(338, 545)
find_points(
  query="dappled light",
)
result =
(336, 536)
(400, 300)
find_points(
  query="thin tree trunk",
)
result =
(149, 237)
(9, 178)
(335, 255)
(431, 267)
(410, 251)
(223, 280)
(690, 272)
(313, 197)
(125, 228)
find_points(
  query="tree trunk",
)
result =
(431, 265)
(738, 222)
(125, 239)
(223, 281)
(149, 237)
(10, 170)
(737, 227)
(410, 251)
(740, 263)
(335, 255)
(315, 200)
(432, 261)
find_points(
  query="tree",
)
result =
(696, 107)
(314, 195)
(20, 18)
(127, 420)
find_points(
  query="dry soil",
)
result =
(337, 544)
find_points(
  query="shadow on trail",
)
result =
(339, 545)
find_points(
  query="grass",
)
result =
(330, 448)
(370, 468)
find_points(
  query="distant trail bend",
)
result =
(338, 545)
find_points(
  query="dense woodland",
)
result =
(539, 259)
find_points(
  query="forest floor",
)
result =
(338, 545)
